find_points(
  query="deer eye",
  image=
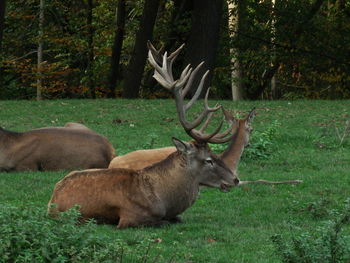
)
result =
(209, 161)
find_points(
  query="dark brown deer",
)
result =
(157, 194)
(54, 148)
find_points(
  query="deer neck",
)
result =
(173, 183)
(233, 152)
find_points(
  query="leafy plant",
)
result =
(29, 235)
(319, 209)
(261, 145)
(328, 244)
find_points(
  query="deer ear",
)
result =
(181, 146)
(251, 115)
(228, 116)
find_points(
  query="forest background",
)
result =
(267, 49)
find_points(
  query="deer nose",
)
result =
(236, 181)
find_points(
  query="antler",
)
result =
(162, 64)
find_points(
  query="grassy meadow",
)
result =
(220, 227)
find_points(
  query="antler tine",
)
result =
(232, 121)
(198, 91)
(163, 70)
(185, 74)
(201, 137)
(190, 80)
(202, 115)
(172, 58)
(218, 137)
(207, 121)
(157, 54)
(163, 74)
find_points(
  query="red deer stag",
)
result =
(157, 194)
(73, 146)
(241, 130)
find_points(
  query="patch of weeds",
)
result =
(261, 146)
(319, 209)
(333, 135)
(261, 143)
(328, 243)
(29, 235)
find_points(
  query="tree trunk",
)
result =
(2, 19)
(40, 51)
(173, 36)
(274, 92)
(204, 38)
(234, 25)
(138, 59)
(90, 55)
(114, 73)
(270, 72)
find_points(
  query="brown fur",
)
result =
(141, 158)
(54, 148)
(151, 196)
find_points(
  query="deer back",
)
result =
(56, 148)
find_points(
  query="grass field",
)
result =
(220, 227)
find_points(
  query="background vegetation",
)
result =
(276, 49)
(254, 223)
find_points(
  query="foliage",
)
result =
(260, 146)
(29, 235)
(310, 65)
(328, 244)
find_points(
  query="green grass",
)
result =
(220, 227)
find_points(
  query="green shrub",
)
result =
(261, 143)
(29, 235)
(261, 146)
(328, 244)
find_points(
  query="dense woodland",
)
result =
(267, 49)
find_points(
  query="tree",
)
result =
(298, 31)
(40, 51)
(2, 19)
(90, 51)
(114, 73)
(137, 62)
(204, 37)
(235, 19)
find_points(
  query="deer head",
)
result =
(162, 64)
(207, 167)
(241, 128)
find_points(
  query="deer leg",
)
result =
(133, 220)
(175, 220)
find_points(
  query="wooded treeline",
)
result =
(267, 49)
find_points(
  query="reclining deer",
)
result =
(240, 130)
(157, 194)
(73, 146)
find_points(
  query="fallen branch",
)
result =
(270, 182)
